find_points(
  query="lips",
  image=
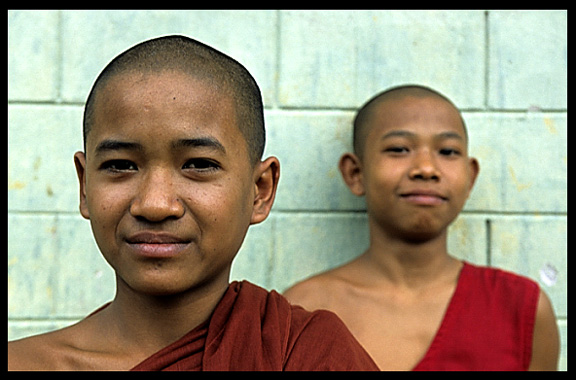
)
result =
(157, 245)
(155, 238)
(424, 197)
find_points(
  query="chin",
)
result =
(157, 283)
(159, 288)
(422, 234)
(420, 237)
(166, 283)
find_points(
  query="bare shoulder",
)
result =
(308, 292)
(319, 291)
(63, 349)
(40, 352)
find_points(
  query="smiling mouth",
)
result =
(156, 245)
(424, 198)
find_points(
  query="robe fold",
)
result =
(252, 329)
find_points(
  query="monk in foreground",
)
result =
(171, 178)
(408, 302)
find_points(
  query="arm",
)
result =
(546, 341)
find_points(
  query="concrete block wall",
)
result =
(507, 71)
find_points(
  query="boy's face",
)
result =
(415, 172)
(166, 181)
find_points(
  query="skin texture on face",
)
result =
(415, 171)
(167, 182)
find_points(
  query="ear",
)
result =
(351, 169)
(80, 162)
(266, 176)
(474, 170)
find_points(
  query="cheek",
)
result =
(221, 205)
(222, 219)
(232, 204)
(383, 178)
(102, 198)
(106, 207)
(460, 186)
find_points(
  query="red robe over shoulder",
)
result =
(252, 329)
(489, 323)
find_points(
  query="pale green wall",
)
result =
(507, 71)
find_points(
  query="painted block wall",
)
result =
(506, 70)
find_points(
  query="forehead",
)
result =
(425, 115)
(163, 88)
(156, 104)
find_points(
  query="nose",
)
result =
(156, 198)
(424, 167)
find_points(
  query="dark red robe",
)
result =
(252, 329)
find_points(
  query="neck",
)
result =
(409, 263)
(148, 323)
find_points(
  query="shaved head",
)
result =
(179, 53)
(365, 113)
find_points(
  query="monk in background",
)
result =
(171, 178)
(410, 303)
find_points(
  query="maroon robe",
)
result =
(252, 329)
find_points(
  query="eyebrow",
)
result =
(115, 145)
(442, 135)
(397, 134)
(208, 142)
(450, 135)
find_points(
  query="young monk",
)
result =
(171, 177)
(407, 301)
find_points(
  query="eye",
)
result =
(449, 152)
(118, 166)
(201, 165)
(397, 149)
